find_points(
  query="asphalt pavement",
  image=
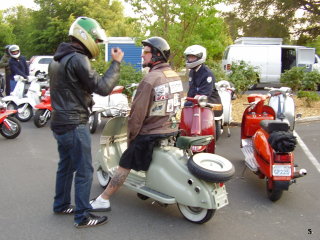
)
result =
(27, 176)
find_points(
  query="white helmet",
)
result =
(14, 51)
(198, 51)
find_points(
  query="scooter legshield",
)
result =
(196, 121)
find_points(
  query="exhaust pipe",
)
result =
(301, 173)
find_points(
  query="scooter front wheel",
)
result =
(14, 131)
(26, 115)
(93, 122)
(196, 214)
(211, 167)
(103, 178)
(40, 119)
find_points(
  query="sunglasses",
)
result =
(144, 52)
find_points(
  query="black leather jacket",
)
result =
(72, 81)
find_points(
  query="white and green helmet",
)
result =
(89, 32)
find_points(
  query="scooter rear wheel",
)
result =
(211, 167)
(273, 194)
(196, 214)
(103, 178)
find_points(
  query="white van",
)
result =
(269, 56)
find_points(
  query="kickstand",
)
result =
(243, 171)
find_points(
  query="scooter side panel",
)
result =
(168, 173)
(263, 152)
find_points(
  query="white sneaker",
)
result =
(100, 205)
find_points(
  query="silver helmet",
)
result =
(14, 51)
(198, 51)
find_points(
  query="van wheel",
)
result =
(196, 214)
(253, 87)
(211, 167)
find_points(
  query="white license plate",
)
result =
(281, 170)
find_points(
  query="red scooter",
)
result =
(9, 126)
(44, 109)
(268, 146)
(198, 120)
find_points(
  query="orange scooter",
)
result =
(268, 146)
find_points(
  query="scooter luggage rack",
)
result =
(247, 150)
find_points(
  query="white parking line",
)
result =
(304, 147)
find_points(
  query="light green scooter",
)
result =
(194, 182)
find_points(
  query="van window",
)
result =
(288, 58)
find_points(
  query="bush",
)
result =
(309, 97)
(311, 81)
(128, 74)
(243, 76)
(217, 70)
(293, 78)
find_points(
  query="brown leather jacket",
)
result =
(156, 102)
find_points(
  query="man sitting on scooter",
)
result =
(201, 78)
(151, 118)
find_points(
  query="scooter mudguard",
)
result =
(9, 99)
(7, 113)
(43, 105)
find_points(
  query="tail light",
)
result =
(283, 158)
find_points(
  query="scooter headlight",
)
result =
(202, 101)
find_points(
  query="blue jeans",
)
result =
(75, 156)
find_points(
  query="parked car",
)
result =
(269, 56)
(39, 64)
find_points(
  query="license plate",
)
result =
(281, 170)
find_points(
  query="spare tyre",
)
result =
(211, 167)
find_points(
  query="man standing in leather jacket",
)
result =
(152, 116)
(72, 81)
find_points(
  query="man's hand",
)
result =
(117, 54)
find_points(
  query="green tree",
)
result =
(183, 23)
(40, 31)
(18, 18)
(277, 18)
(6, 32)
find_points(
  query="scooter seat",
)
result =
(184, 142)
(274, 125)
